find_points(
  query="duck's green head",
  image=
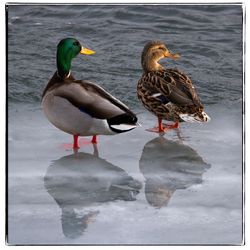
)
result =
(67, 49)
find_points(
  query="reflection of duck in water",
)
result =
(168, 166)
(83, 180)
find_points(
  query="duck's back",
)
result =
(182, 82)
(169, 94)
(173, 84)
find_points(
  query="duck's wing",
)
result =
(92, 99)
(183, 83)
(173, 86)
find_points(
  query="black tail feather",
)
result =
(126, 118)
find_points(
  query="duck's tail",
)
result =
(123, 123)
(196, 117)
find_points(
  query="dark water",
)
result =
(134, 188)
(208, 37)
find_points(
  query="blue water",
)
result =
(139, 188)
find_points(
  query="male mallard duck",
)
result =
(168, 93)
(82, 108)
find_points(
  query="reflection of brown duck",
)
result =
(80, 182)
(168, 166)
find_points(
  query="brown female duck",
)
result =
(167, 93)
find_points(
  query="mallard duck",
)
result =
(167, 93)
(82, 108)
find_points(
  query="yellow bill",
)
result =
(86, 51)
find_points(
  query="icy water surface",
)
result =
(136, 188)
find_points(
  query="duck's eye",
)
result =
(76, 43)
(162, 48)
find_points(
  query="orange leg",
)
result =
(163, 127)
(176, 125)
(159, 129)
(94, 139)
(160, 125)
(75, 145)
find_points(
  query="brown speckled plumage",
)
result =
(167, 92)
